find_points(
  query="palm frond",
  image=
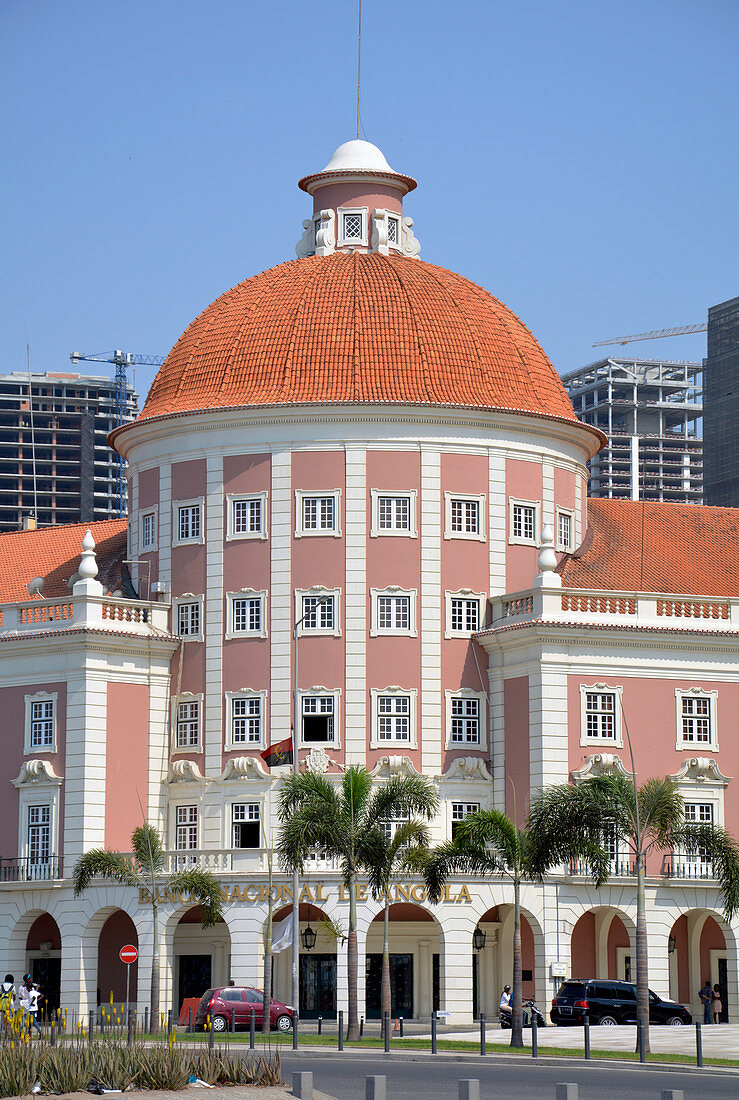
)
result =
(403, 794)
(661, 811)
(148, 849)
(204, 888)
(307, 787)
(723, 852)
(449, 859)
(102, 863)
(356, 790)
(490, 829)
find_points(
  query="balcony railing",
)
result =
(679, 865)
(618, 868)
(104, 612)
(30, 870)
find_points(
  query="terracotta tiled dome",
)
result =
(357, 328)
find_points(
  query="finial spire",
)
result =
(359, 64)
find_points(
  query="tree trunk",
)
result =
(267, 997)
(517, 1009)
(386, 994)
(352, 1033)
(154, 1003)
(642, 973)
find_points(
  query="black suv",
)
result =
(610, 1002)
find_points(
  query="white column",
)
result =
(429, 613)
(245, 925)
(456, 966)
(547, 493)
(425, 978)
(164, 537)
(280, 598)
(355, 616)
(213, 701)
(497, 522)
(84, 766)
(548, 748)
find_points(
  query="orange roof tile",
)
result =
(683, 549)
(54, 553)
(357, 327)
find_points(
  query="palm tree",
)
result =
(143, 871)
(646, 818)
(488, 843)
(345, 820)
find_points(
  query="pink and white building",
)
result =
(378, 447)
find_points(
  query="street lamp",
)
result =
(315, 604)
(478, 939)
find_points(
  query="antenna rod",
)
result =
(359, 63)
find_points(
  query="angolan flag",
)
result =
(281, 753)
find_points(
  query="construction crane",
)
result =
(121, 360)
(655, 334)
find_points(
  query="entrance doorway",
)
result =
(318, 986)
(48, 974)
(195, 973)
(401, 986)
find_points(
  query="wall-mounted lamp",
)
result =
(478, 939)
(671, 944)
(308, 938)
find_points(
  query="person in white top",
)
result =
(26, 998)
(505, 1001)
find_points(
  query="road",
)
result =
(343, 1076)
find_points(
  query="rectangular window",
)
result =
(148, 530)
(393, 231)
(318, 613)
(465, 615)
(465, 516)
(318, 719)
(42, 724)
(394, 513)
(188, 724)
(245, 825)
(39, 836)
(352, 226)
(697, 864)
(247, 615)
(600, 715)
(393, 718)
(394, 613)
(246, 516)
(465, 721)
(524, 522)
(461, 810)
(696, 719)
(188, 619)
(319, 513)
(186, 828)
(246, 720)
(699, 813)
(188, 523)
(390, 825)
(564, 531)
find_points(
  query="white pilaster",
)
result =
(164, 534)
(497, 521)
(430, 612)
(547, 493)
(280, 610)
(213, 700)
(84, 766)
(355, 614)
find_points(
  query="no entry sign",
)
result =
(128, 954)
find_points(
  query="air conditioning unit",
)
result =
(161, 588)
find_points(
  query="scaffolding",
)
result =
(652, 412)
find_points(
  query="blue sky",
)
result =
(577, 159)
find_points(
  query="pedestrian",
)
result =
(705, 994)
(34, 996)
(506, 1011)
(24, 998)
(716, 1006)
(7, 1001)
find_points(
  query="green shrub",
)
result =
(162, 1067)
(19, 1068)
(64, 1068)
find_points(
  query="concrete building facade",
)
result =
(721, 446)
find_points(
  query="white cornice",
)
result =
(701, 769)
(601, 763)
(393, 765)
(467, 767)
(37, 772)
(243, 767)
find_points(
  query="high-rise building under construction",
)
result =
(651, 411)
(722, 405)
(55, 463)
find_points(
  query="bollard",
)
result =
(146, 1021)
(52, 1040)
(433, 1033)
(233, 1021)
(468, 1089)
(534, 1036)
(303, 1085)
(586, 1032)
(566, 1092)
(401, 1027)
(296, 1024)
(375, 1088)
(211, 1037)
(320, 1021)
(341, 1030)
(640, 1041)
(482, 1033)
(130, 1026)
(169, 1022)
(386, 1032)
(672, 1094)
(91, 1027)
(698, 1045)
(251, 1029)
(189, 1019)
(361, 1026)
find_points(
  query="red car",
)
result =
(235, 1002)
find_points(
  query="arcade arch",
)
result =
(318, 965)
(117, 931)
(416, 943)
(200, 957)
(492, 965)
(699, 947)
(602, 945)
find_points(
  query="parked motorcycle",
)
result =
(529, 1010)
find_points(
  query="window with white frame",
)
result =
(465, 719)
(393, 231)
(317, 611)
(188, 525)
(319, 718)
(565, 531)
(187, 723)
(352, 226)
(393, 513)
(697, 864)
(186, 828)
(317, 513)
(393, 611)
(245, 825)
(460, 811)
(600, 715)
(247, 614)
(393, 717)
(390, 825)
(148, 530)
(464, 516)
(38, 839)
(188, 617)
(524, 522)
(696, 719)
(40, 731)
(246, 716)
(247, 516)
(464, 613)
